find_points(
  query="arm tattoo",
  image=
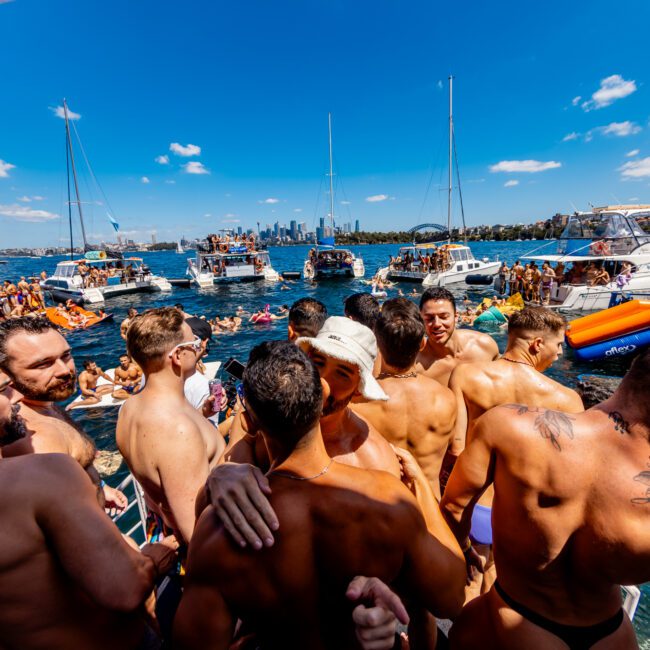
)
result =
(549, 424)
(644, 479)
(620, 424)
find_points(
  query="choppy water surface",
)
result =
(104, 344)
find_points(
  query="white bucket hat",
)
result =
(347, 340)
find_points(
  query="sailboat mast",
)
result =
(451, 135)
(329, 123)
(74, 175)
(67, 171)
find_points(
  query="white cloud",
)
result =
(195, 168)
(510, 183)
(620, 129)
(631, 154)
(611, 88)
(207, 215)
(528, 166)
(576, 100)
(162, 160)
(229, 215)
(59, 112)
(24, 199)
(38, 198)
(570, 136)
(344, 202)
(270, 201)
(170, 182)
(297, 209)
(635, 169)
(440, 84)
(4, 168)
(185, 151)
(231, 221)
(145, 180)
(376, 198)
(633, 198)
(23, 213)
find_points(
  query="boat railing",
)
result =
(134, 520)
(632, 596)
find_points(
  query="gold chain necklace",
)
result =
(523, 363)
(304, 478)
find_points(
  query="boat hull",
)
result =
(455, 276)
(94, 295)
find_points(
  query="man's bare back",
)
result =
(67, 577)
(466, 346)
(170, 448)
(418, 417)
(344, 523)
(571, 519)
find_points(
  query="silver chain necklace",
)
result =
(304, 478)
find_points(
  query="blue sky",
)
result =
(240, 92)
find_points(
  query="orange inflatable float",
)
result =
(629, 317)
(75, 317)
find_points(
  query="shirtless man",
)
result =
(67, 577)
(571, 520)
(39, 362)
(124, 325)
(128, 378)
(90, 392)
(446, 346)
(337, 522)
(419, 414)
(535, 337)
(306, 317)
(168, 445)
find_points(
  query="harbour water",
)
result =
(104, 344)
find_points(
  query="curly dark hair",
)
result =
(438, 293)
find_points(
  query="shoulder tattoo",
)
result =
(551, 425)
(620, 424)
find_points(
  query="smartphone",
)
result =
(216, 390)
(234, 368)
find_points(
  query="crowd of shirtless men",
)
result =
(380, 470)
(23, 298)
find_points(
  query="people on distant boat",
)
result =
(601, 277)
(91, 393)
(548, 277)
(624, 276)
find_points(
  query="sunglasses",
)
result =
(195, 345)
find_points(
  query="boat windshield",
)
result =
(612, 226)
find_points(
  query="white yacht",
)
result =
(73, 279)
(325, 260)
(416, 263)
(76, 279)
(230, 261)
(606, 237)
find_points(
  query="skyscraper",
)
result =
(356, 226)
(293, 229)
(322, 223)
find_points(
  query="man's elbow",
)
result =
(452, 603)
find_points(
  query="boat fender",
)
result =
(479, 278)
(223, 248)
(619, 347)
(600, 247)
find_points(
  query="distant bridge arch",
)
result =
(428, 226)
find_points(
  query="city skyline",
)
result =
(197, 118)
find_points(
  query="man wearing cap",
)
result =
(344, 352)
(196, 387)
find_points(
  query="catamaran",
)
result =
(325, 260)
(444, 264)
(604, 239)
(98, 275)
(228, 260)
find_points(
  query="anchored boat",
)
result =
(325, 260)
(230, 260)
(99, 274)
(607, 239)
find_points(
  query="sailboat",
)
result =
(77, 279)
(447, 263)
(325, 260)
(179, 247)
